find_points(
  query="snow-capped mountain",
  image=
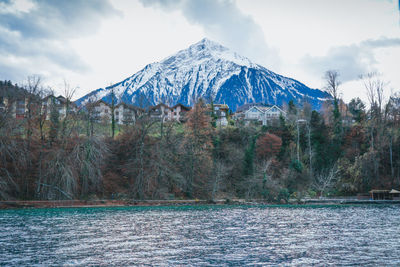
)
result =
(210, 71)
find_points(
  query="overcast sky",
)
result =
(94, 43)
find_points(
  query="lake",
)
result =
(367, 235)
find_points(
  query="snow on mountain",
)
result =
(207, 70)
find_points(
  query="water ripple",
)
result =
(206, 236)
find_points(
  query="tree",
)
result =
(32, 93)
(374, 87)
(332, 83)
(268, 146)
(92, 116)
(248, 168)
(89, 155)
(197, 147)
(357, 109)
(112, 112)
(139, 163)
(325, 180)
(320, 142)
(54, 121)
(332, 86)
(69, 93)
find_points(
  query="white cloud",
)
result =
(94, 43)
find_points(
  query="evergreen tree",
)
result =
(248, 168)
(357, 109)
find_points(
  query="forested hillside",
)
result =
(342, 149)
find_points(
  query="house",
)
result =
(220, 111)
(14, 106)
(98, 111)
(179, 112)
(160, 112)
(254, 113)
(263, 114)
(123, 113)
(126, 114)
(61, 104)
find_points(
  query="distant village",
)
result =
(128, 114)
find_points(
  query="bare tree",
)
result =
(325, 179)
(33, 103)
(332, 83)
(374, 87)
(13, 158)
(138, 158)
(256, 184)
(88, 156)
(67, 121)
(59, 176)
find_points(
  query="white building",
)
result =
(126, 114)
(262, 114)
(123, 113)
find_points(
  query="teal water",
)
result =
(202, 236)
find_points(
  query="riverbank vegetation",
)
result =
(343, 149)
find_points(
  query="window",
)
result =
(117, 113)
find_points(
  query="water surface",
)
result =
(204, 235)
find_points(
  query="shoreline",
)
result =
(26, 204)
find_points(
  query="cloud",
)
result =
(351, 61)
(39, 31)
(224, 22)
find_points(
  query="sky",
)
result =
(94, 43)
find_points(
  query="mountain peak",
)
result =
(209, 70)
(207, 43)
(211, 50)
(207, 46)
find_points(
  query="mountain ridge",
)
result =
(208, 70)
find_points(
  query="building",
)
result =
(99, 110)
(220, 112)
(160, 112)
(123, 113)
(126, 114)
(14, 107)
(260, 114)
(165, 113)
(61, 105)
(381, 194)
(179, 113)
